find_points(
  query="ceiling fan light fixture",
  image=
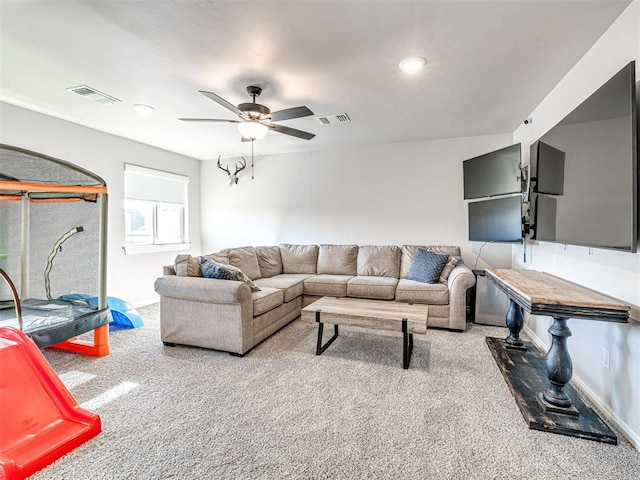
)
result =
(253, 130)
(412, 64)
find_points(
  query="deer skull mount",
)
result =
(233, 177)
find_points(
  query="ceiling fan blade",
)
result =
(289, 113)
(223, 102)
(208, 120)
(291, 131)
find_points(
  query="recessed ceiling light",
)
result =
(412, 64)
(143, 109)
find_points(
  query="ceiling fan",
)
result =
(255, 119)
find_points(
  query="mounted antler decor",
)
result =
(233, 177)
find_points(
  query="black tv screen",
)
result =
(494, 173)
(596, 205)
(548, 172)
(496, 220)
(546, 218)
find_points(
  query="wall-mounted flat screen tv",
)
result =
(496, 220)
(494, 173)
(597, 204)
(546, 218)
(547, 169)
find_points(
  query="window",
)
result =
(155, 205)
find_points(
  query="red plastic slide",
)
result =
(39, 419)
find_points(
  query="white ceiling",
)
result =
(489, 64)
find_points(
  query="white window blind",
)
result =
(155, 210)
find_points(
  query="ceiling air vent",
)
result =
(94, 95)
(329, 119)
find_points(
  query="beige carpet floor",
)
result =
(282, 412)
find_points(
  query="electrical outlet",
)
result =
(606, 358)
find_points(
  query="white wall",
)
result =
(409, 193)
(129, 277)
(617, 390)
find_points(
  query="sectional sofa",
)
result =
(227, 315)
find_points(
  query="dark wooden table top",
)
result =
(540, 293)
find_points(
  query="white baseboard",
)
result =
(609, 414)
(146, 303)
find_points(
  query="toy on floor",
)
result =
(122, 312)
(40, 419)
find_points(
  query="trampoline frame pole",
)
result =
(25, 238)
(101, 334)
(102, 246)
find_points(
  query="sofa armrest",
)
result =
(206, 290)
(460, 280)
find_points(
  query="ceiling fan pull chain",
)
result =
(252, 159)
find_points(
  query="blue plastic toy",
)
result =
(122, 312)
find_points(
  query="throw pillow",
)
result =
(448, 268)
(187, 266)
(427, 267)
(226, 272)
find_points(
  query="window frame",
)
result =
(161, 176)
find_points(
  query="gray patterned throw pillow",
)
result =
(225, 272)
(427, 267)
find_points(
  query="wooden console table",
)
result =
(544, 294)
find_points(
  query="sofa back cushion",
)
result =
(222, 258)
(379, 261)
(269, 261)
(298, 258)
(409, 251)
(246, 260)
(338, 259)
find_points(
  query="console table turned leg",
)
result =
(515, 322)
(559, 370)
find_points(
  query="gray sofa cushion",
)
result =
(269, 261)
(219, 257)
(266, 299)
(382, 288)
(298, 258)
(246, 260)
(338, 259)
(379, 261)
(329, 285)
(417, 292)
(290, 284)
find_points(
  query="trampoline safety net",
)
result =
(52, 244)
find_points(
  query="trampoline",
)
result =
(53, 227)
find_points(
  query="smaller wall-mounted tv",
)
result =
(547, 175)
(494, 173)
(546, 209)
(496, 220)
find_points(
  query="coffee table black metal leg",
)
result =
(319, 347)
(407, 345)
